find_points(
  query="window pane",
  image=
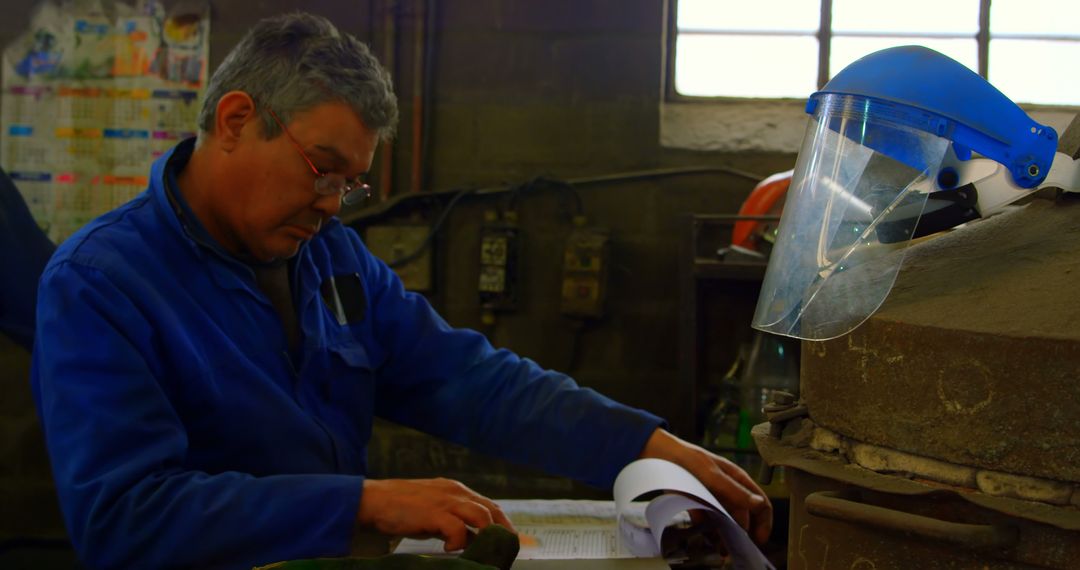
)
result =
(746, 66)
(1043, 17)
(847, 50)
(919, 16)
(776, 15)
(1036, 71)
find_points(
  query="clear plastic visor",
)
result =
(860, 183)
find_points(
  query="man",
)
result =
(210, 356)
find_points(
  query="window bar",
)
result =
(825, 41)
(670, 40)
(982, 38)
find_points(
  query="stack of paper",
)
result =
(623, 528)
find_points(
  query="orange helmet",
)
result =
(755, 237)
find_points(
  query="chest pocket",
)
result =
(352, 352)
(350, 371)
(343, 295)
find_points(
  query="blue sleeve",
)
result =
(453, 384)
(117, 450)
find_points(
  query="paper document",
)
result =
(552, 530)
(623, 528)
(649, 475)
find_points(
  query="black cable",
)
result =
(405, 260)
(515, 190)
(542, 181)
(434, 230)
(576, 325)
(382, 209)
(579, 208)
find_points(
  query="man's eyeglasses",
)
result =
(352, 192)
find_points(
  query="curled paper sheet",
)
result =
(650, 475)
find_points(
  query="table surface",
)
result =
(593, 564)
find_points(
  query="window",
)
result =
(790, 48)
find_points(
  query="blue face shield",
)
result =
(887, 159)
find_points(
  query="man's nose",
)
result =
(328, 205)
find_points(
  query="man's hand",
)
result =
(423, 508)
(739, 494)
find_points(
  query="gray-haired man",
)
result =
(210, 356)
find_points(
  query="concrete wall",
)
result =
(567, 89)
(570, 89)
(562, 88)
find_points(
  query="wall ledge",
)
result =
(758, 125)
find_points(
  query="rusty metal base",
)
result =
(845, 516)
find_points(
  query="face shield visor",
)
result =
(860, 185)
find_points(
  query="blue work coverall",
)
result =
(183, 432)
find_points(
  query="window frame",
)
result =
(824, 36)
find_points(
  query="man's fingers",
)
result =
(752, 511)
(729, 483)
(762, 528)
(497, 514)
(760, 508)
(730, 492)
(438, 507)
(736, 472)
(473, 514)
(500, 517)
(742, 517)
(453, 532)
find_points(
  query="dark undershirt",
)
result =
(273, 281)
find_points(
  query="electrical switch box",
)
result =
(393, 242)
(498, 263)
(585, 270)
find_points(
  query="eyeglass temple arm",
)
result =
(295, 144)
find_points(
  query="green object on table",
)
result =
(494, 548)
(388, 562)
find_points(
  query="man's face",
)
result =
(271, 207)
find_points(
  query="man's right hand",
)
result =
(422, 508)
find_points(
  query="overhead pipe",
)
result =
(418, 86)
(389, 49)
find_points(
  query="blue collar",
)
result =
(189, 222)
(174, 163)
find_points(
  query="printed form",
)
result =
(623, 528)
(552, 530)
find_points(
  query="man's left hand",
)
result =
(739, 494)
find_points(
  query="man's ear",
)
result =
(234, 110)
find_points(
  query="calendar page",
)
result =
(92, 96)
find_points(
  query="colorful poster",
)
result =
(91, 96)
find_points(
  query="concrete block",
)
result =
(1021, 487)
(972, 358)
(1069, 142)
(882, 459)
(827, 441)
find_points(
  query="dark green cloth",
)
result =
(388, 562)
(494, 548)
